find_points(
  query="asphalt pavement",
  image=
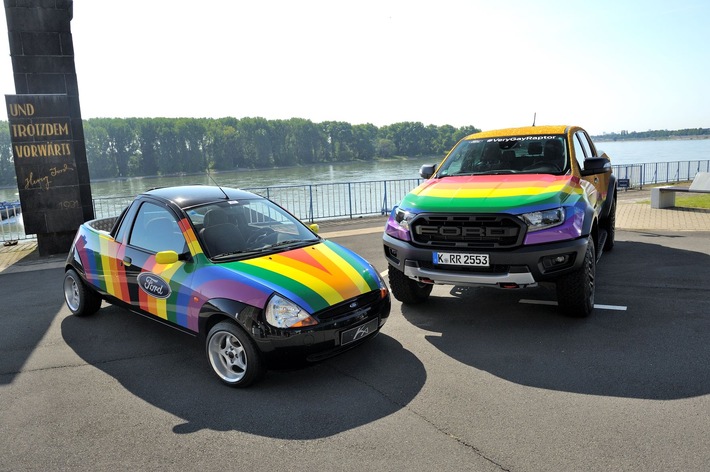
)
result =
(473, 379)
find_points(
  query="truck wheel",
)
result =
(81, 300)
(407, 290)
(233, 356)
(610, 227)
(575, 291)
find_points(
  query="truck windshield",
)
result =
(504, 155)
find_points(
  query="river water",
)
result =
(621, 152)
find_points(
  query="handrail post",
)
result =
(383, 210)
(310, 208)
(350, 201)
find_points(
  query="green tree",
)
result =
(7, 166)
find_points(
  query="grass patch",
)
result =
(688, 201)
(692, 201)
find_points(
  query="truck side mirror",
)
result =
(427, 170)
(596, 165)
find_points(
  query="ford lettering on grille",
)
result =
(468, 231)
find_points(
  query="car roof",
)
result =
(522, 131)
(185, 196)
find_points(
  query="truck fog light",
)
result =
(557, 261)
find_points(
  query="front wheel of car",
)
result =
(81, 300)
(407, 290)
(232, 355)
(575, 291)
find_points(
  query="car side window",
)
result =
(156, 229)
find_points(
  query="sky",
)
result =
(605, 65)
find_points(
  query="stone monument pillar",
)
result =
(45, 123)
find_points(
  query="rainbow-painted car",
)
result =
(507, 208)
(233, 268)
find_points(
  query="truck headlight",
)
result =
(539, 220)
(283, 313)
(398, 224)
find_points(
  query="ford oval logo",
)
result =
(153, 285)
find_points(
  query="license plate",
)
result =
(453, 258)
(359, 332)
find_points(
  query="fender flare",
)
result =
(610, 197)
(246, 316)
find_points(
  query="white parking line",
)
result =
(550, 302)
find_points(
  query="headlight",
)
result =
(398, 224)
(283, 313)
(538, 220)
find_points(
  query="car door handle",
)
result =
(127, 261)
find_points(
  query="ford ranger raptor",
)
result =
(509, 208)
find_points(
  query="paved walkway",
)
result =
(633, 213)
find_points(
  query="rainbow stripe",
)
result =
(515, 193)
(315, 277)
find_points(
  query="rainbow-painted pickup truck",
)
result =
(508, 208)
(243, 274)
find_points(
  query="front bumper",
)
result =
(326, 339)
(519, 267)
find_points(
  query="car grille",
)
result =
(467, 231)
(349, 306)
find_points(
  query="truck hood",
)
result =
(314, 277)
(509, 193)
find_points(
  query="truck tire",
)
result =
(406, 290)
(575, 291)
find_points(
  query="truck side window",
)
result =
(580, 153)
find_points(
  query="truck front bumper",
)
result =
(519, 267)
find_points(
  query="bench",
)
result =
(664, 197)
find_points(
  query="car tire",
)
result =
(233, 355)
(610, 227)
(575, 291)
(406, 290)
(80, 299)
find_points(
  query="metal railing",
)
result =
(342, 200)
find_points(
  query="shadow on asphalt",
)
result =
(168, 369)
(25, 319)
(658, 349)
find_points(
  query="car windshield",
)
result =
(234, 229)
(507, 155)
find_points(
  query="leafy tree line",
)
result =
(128, 147)
(654, 134)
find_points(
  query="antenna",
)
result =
(534, 118)
(218, 186)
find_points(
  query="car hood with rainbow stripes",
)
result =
(514, 193)
(315, 277)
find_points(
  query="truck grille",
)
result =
(467, 231)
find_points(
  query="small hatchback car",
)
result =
(234, 268)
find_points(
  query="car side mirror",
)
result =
(427, 170)
(596, 165)
(314, 227)
(166, 257)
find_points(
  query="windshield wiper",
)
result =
(229, 255)
(495, 172)
(288, 242)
